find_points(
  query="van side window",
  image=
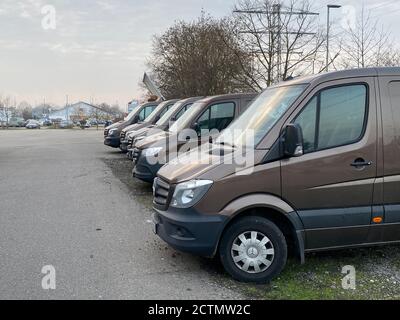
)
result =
(308, 122)
(394, 111)
(183, 110)
(165, 110)
(146, 112)
(342, 115)
(218, 116)
(142, 114)
(336, 116)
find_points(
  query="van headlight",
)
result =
(187, 194)
(151, 152)
(112, 132)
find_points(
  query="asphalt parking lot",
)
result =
(68, 201)
(65, 201)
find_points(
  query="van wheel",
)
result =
(254, 250)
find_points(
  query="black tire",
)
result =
(267, 228)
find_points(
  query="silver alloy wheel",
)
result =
(253, 252)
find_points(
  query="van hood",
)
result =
(152, 139)
(136, 126)
(138, 132)
(115, 125)
(215, 163)
(147, 131)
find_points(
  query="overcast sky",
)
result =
(99, 47)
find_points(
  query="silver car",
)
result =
(32, 124)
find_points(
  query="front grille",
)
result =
(130, 142)
(106, 132)
(123, 135)
(135, 154)
(161, 190)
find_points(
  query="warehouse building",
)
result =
(80, 111)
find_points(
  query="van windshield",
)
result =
(167, 116)
(184, 121)
(252, 126)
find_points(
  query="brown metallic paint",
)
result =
(319, 180)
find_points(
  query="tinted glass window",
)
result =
(165, 110)
(394, 112)
(308, 121)
(142, 114)
(187, 118)
(341, 115)
(145, 112)
(260, 117)
(164, 120)
(204, 120)
(218, 116)
(180, 113)
(154, 111)
(149, 110)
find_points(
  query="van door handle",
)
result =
(359, 163)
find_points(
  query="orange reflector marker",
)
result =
(377, 220)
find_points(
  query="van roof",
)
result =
(169, 101)
(152, 103)
(337, 75)
(228, 96)
(191, 99)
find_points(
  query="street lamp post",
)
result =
(330, 6)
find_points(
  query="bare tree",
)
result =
(25, 110)
(193, 59)
(284, 39)
(41, 110)
(110, 112)
(97, 115)
(368, 44)
(5, 109)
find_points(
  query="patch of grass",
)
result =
(377, 277)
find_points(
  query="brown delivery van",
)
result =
(112, 134)
(211, 113)
(326, 175)
(168, 119)
(157, 113)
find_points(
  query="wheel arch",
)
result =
(272, 208)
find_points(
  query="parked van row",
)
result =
(325, 172)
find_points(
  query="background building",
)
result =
(80, 111)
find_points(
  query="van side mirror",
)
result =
(293, 141)
(196, 127)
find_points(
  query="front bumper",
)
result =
(145, 171)
(113, 142)
(124, 145)
(188, 231)
(129, 154)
